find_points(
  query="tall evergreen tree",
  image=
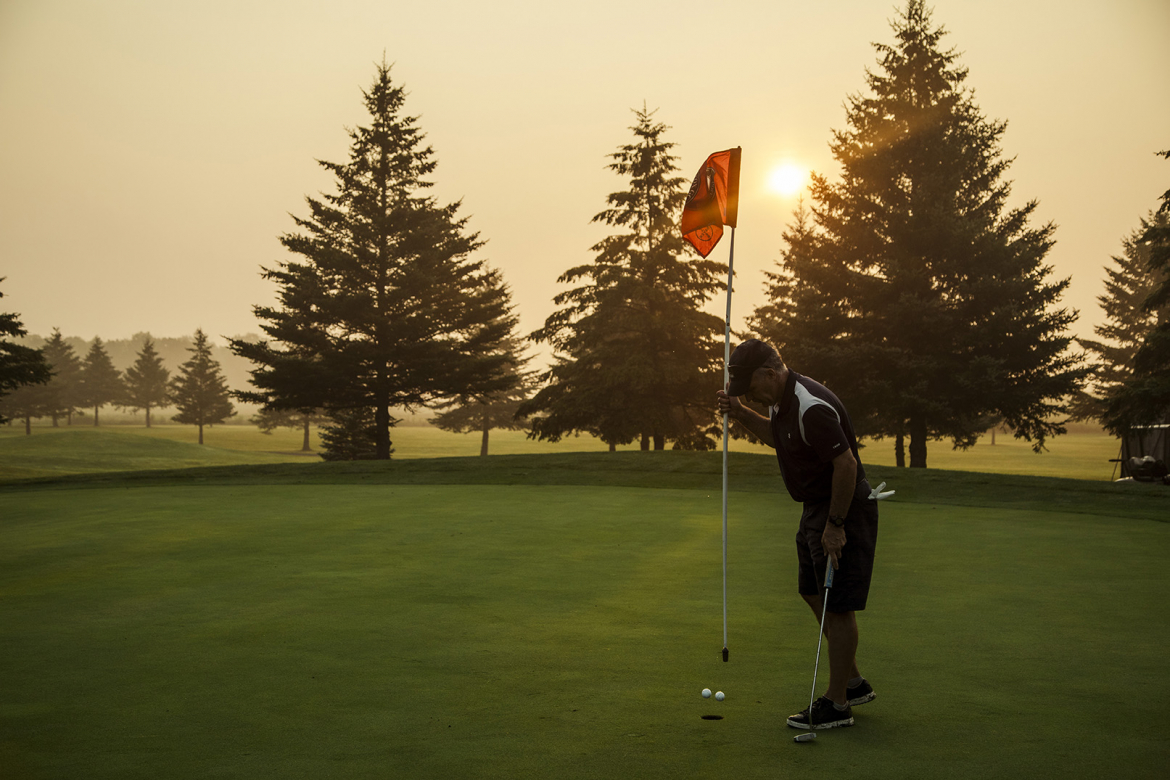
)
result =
(635, 354)
(147, 381)
(1145, 398)
(101, 383)
(199, 393)
(386, 307)
(19, 365)
(64, 391)
(1128, 285)
(945, 315)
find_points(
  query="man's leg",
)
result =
(850, 639)
(842, 628)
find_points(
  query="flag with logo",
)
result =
(713, 201)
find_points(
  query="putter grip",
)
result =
(828, 574)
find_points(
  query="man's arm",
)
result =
(844, 483)
(759, 425)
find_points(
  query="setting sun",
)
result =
(787, 179)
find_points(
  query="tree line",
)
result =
(67, 383)
(908, 284)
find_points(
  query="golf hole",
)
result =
(711, 717)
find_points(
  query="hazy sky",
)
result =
(151, 152)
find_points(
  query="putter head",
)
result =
(725, 655)
(809, 737)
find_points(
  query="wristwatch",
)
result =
(837, 521)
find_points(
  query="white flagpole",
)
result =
(726, 377)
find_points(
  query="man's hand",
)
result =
(832, 541)
(760, 426)
(729, 404)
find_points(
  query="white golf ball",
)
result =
(706, 693)
(719, 696)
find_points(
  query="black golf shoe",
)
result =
(824, 716)
(861, 694)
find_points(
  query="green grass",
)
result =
(1083, 454)
(90, 450)
(556, 616)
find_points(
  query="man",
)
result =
(817, 451)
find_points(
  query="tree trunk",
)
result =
(483, 444)
(645, 445)
(917, 443)
(27, 425)
(148, 417)
(200, 433)
(382, 425)
(55, 425)
(900, 450)
(305, 443)
(659, 442)
(95, 416)
(993, 435)
(612, 447)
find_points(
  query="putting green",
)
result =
(548, 631)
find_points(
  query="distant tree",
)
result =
(1128, 285)
(635, 354)
(199, 392)
(64, 391)
(101, 383)
(19, 365)
(26, 403)
(1145, 398)
(147, 381)
(481, 413)
(268, 420)
(352, 436)
(385, 307)
(944, 312)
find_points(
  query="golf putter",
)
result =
(811, 735)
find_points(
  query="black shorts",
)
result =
(851, 580)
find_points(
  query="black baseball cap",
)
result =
(744, 361)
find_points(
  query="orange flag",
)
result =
(713, 201)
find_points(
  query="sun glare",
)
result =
(786, 180)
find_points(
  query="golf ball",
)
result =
(706, 693)
(719, 696)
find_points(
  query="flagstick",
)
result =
(726, 377)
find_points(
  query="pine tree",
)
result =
(64, 391)
(199, 393)
(268, 420)
(1128, 285)
(352, 436)
(1144, 399)
(386, 307)
(498, 410)
(945, 316)
(635, 354)
(19, 365)
(147, 381)
(101, 383)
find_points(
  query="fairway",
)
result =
(195, 628)
(1084, 453)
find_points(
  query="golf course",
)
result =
(168, 610)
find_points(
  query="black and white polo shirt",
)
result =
(811, 427)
